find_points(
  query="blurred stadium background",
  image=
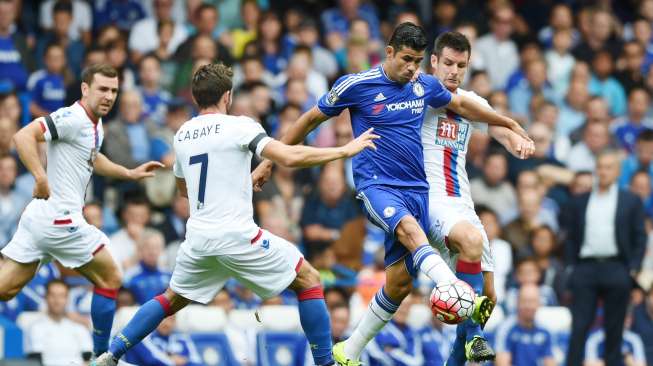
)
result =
(576, 73)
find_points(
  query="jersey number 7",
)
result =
(202, 159)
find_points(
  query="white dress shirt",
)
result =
(600, 234)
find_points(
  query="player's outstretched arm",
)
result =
(306, 123)
(474, 111)
(304, 156)
(105, 167)
(518, 146)
(27, 141)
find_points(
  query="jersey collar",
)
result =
(90, 116)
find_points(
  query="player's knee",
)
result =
(112, 281)
(471, 245)
(307, 277)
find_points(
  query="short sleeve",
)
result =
(479, 125)
(339, 97)
(59, 125)
(436, 94)
(176, 169)
(252, 137)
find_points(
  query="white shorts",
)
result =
(42, 236)
(443, 216)
(267, 266)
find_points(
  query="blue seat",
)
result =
(214, 349)
(281, 349)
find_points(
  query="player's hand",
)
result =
(520, 147)
(41, 189)
(365, 140)
(261, 175)
(178, 360)
(518, 129)
(416, 74)
(145, 170)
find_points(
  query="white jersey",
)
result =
(73, 140)
(213, 153)
(445, 137)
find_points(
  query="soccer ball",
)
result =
(453, 302)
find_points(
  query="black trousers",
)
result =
(590, 282)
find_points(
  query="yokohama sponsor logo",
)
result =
(415, 103)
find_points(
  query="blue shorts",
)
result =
(385, 207)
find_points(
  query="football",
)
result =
(453, 303)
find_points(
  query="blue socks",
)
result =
(103, 307)
(465, 332)
(145, 321)
(314, 317)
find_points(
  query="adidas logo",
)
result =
(379, 97)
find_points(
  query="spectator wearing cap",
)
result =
(605, 244)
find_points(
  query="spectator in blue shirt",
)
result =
(14, 58)
(628, 127)
(632, 349)
(641, 185)
(519, 341)
(336, 20)
(397, 343)
(643, 323)
(435, 345)
(605, 85)
(46, 86)
(60, 33)
(165, 347)
(155, 99)
(123, 13)
(533, 84)
(146, 280)
(328, 209)
(640, 159)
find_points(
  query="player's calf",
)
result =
(313, 313)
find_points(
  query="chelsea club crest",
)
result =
(418, 89)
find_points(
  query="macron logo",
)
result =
(379, 97)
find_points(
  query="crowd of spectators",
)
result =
(576, 74)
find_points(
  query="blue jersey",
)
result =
(398, 345)
(527, 346)
(12, 70)
(396, 111)
(145, 282)
(47, 90)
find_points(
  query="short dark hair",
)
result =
(454, 40)
(209, 84)
(103, 69)
(408, 35)
(63, 6)
(56, 281)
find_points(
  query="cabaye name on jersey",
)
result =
(204, 131)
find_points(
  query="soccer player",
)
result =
(214, 151)
(391, 181)
(455, 229)
(52, 225)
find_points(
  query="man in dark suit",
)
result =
(604, 249)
